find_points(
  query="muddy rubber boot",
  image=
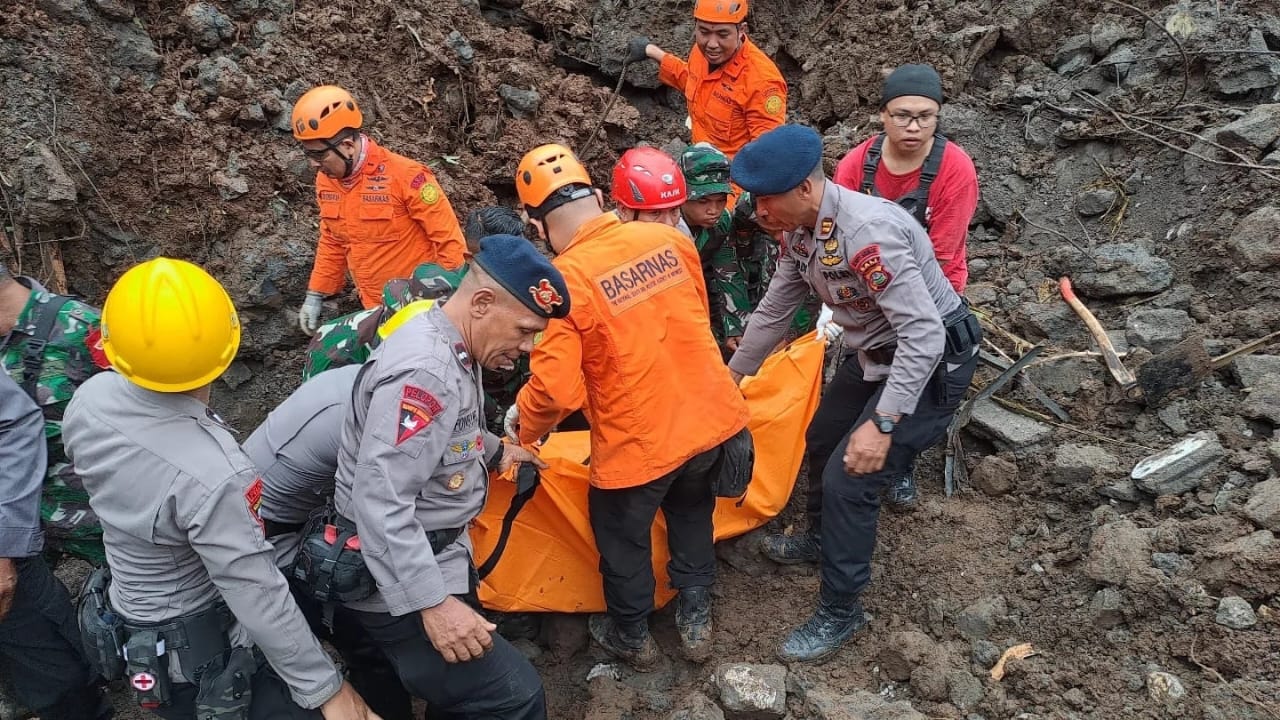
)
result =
(693, 621)
(805, 547)
(902, 495)
(630, 644)
(830, 627)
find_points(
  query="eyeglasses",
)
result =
(904, 119)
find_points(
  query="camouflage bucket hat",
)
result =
(706, 171)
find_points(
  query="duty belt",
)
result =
(439, 539)
(963, 334)
(196, 638)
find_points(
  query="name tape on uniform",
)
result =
(636, 280)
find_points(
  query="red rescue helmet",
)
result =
(646, 178)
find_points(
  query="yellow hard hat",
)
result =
(168, 326)
(403, 315)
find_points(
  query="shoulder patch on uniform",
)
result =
(866, 262)
(430, 193)
(418, 408)
(418, 181)
(93, 341)
(773, 105)
(253, 497)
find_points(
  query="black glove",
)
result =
(636, 49)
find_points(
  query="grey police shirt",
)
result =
(413, 459)
(874, 266)
(178, 501)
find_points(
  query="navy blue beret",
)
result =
(516, 265)
(778, 160)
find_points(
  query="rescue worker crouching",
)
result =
(916, 347)
(665, 418)
(381, 214)
(205, 620)
(413, 472)
(733, 90)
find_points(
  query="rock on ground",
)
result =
(1075, 464)
(904, 651)
(1247, 566)
(1263, 507)
(1181, 467)
(1257, 130)
(752, 692)
(1158, 329)
(827, 704)
(994, 475)
(1120, 269)
(1118, 551)
(1236, 613)
(1254, 240)
(1106, 608)
(1165, 688)
(978, 620)
(1008, 429)
(696, 706)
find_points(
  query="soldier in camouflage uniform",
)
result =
(706, 176)
(351, 338)
(53, 345)
(757, 252)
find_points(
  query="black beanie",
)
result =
(921, 80)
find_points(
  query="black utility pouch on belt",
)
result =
(964, 332)
(329, 563)
(226, 687)
(101, 630)
(147, 664)
(731, 475)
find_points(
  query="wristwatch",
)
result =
(884, 423)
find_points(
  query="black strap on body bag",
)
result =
(527, 482)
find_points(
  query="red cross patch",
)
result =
(546, 296)
(143, 682)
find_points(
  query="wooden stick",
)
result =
(1121, 373)
(1222, 360)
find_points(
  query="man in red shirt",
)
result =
(911, 164)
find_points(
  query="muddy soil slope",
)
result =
(1132, 146)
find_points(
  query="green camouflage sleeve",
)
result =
(347, 340)
(729, 280)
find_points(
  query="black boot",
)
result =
(830, 626)
(693, 621)
(630, 643)
(802, 547)
(901, 495)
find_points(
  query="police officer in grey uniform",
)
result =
(296, 451)
(209, 626)
(39, 641)
(916, 346)
(413, 471)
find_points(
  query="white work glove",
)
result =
(828, 330)
(309, 314)
(511, 423)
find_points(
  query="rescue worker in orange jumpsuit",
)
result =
(734, 91)
(636, 353)
(381, 214)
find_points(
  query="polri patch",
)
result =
(866, 262)
(418, 408)
(253, 496)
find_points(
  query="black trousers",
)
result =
(368, 669)
(622, 521)
(850, 504)
(271, 699)
(40, 647)
(501, 685)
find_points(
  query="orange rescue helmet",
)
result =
(324, 112)
(720, 11)
(546, 170)
(646, 178)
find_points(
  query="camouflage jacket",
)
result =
(757, 254)
(72, 354)
(725, 276)
(352, 338)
